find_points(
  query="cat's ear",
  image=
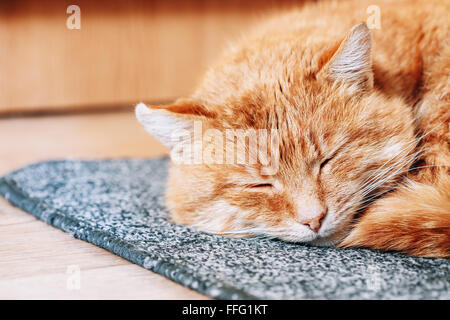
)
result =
(352, 62)
(166, 123)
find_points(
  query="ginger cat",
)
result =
(361, 116)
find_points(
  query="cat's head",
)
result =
(326, 141)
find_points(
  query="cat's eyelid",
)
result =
(256, 184)
(274, 184)
(330, 157)
(324, 162)
(252, 185)
(261, 185)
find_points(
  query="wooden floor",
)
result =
(38, 261)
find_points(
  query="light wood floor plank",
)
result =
(37, 260)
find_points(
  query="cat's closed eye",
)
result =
(251, 186)
(260, 185)
(325, 162)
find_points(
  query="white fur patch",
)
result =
(214, 218)
(162, 124)
(392, 149)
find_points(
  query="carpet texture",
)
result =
(118, 205)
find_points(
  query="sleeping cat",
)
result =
(361, 120)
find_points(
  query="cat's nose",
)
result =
(314, 220)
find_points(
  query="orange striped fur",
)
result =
(362, 117)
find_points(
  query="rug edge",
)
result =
(161, 267)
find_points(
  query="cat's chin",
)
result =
(330, 239)
(327, 241)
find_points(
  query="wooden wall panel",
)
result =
(125, 51)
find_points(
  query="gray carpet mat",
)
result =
(119, 205)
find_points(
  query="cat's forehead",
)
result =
(307, 126)
(271, 68)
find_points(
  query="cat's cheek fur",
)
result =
(197, 201)
(218, 217)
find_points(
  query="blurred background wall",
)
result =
(125, 51)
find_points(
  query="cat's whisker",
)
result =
(427, 166)
(367, 188)
(379, 173)
(380, 180)
(406, 161)
(378, 183)
(408, 144)
(369, 200)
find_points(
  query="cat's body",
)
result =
(354, 110)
